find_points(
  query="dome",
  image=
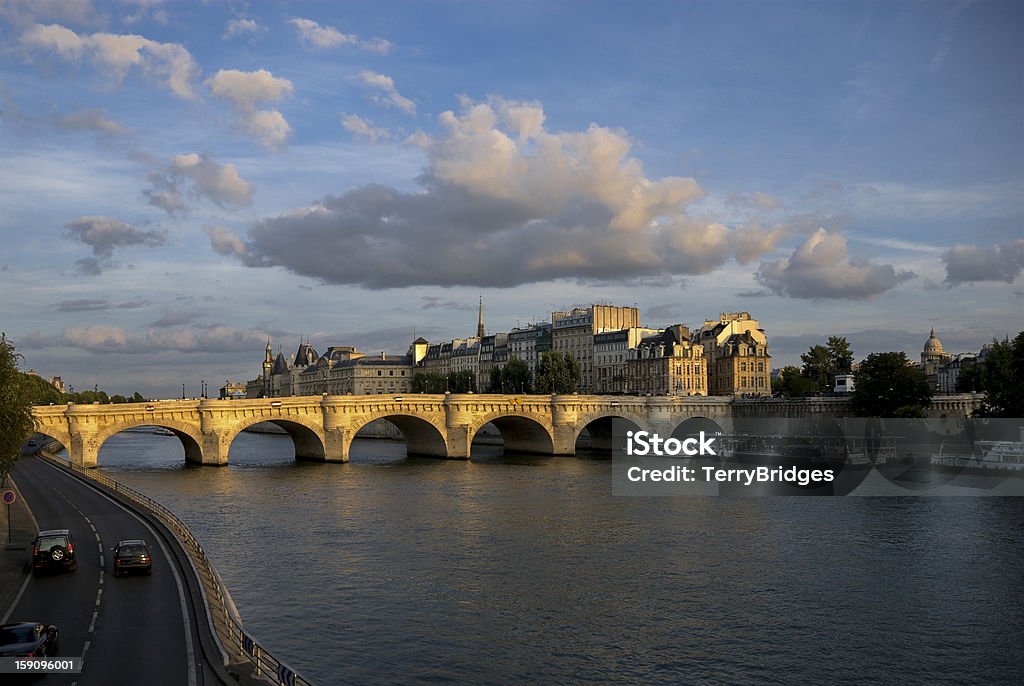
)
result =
(933, 345)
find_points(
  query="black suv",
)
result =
(54, 549)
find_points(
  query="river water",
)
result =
(528, 570)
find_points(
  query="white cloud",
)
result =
(224, 241)
(115, 55)
(363, 128)
(317, 37)
(242, 26)
(820, 268)
(90, 120)
(245, 91)
(504, 202)
(391, 96)
(969, 263)
(219, 183)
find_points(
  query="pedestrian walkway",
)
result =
(14, 556)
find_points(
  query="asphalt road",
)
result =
(129, 630)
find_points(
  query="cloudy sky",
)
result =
(180, 181)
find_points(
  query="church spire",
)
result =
(480, 320)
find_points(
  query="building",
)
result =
(948, 374)
(232, 391)
(668, 362)
(528, 344)
(844, 383)
(572, 333)
(736, 350)
(337, 372)
(488, 346)
(932, 359)
(612, 351)
(372, 375)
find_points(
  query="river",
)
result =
(528, 570)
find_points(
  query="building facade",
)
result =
(667, 363)
(572, 333)
(736, 350)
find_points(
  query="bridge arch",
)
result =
(189, 435)
(422, 436)
(608, 430)
(692, 426)
(54, 432)
(520, 433)
(307, 436)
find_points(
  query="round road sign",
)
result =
(9, 497)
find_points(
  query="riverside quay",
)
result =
(323, 427)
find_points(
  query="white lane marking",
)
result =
(190, 650)
(101, 576)
(99, 595)
(92, 624)
(98, 539)
(100, 546)
(17, 598)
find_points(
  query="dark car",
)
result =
(132, 556)
(28, 639)
(54, 550)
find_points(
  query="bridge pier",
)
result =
(83, 449)
(337, 442)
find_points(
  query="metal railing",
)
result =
(215, 593)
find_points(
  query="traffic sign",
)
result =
(9, 497)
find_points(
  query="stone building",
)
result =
(372, 375)
(529, 343)
(573, 333)
(932, 359)
(612, 351)
(669, 362)
(736, 351)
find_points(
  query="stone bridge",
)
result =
(323, 427)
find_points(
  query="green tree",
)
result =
(822, 363)
(137, 397)
(971, 379)
(462, 382)
(428, 382)
(886, 385)
(38, 391)
(792, 384)
(1002, 376)
(15, 407)
(557, 373)
(514, 377)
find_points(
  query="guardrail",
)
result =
(267, 666)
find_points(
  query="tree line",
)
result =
(556, 373)
(888, 385)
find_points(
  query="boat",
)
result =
(160, 431)
(810, 451)
(986, 457)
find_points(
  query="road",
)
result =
(129, 630)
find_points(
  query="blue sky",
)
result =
(183, 180)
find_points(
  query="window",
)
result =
(380, 373)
